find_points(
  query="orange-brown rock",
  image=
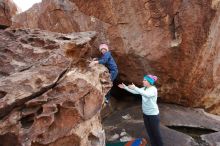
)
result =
(55, 15)
(48, 94)
(7, 10)
(176, 40)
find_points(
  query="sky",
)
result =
(25, 4)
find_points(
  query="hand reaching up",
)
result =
(92, 63)
(122, 85)
(132, 86)
(94, 59)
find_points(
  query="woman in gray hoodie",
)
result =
(149, 107)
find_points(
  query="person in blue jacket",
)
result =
(107, 60)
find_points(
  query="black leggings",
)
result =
(152, 124)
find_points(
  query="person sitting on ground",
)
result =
(107, 60)
(149, 107)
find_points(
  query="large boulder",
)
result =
(48, 94)
(176, 40)
(7, 10)
(57, 16)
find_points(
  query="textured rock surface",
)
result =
(212, 139)
(176, 115)
(48, 94)
(208, 68)
(7, 10)
(176, 40)
(58, 16)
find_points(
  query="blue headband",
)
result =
(149, 79)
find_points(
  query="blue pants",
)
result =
(152, 125)
(113, 74)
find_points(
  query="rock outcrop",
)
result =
(7, 10)
(176, 40)
(48, 94)
(57, 16)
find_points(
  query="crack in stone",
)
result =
(194, 132)
(20, 103)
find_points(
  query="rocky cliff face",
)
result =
(206, 71)
(48, 94)
(7, 10)
(176, 40)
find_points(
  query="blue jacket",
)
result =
(108, 61)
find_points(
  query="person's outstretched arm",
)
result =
(123, 86)
(143, 92)
(103, 60)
